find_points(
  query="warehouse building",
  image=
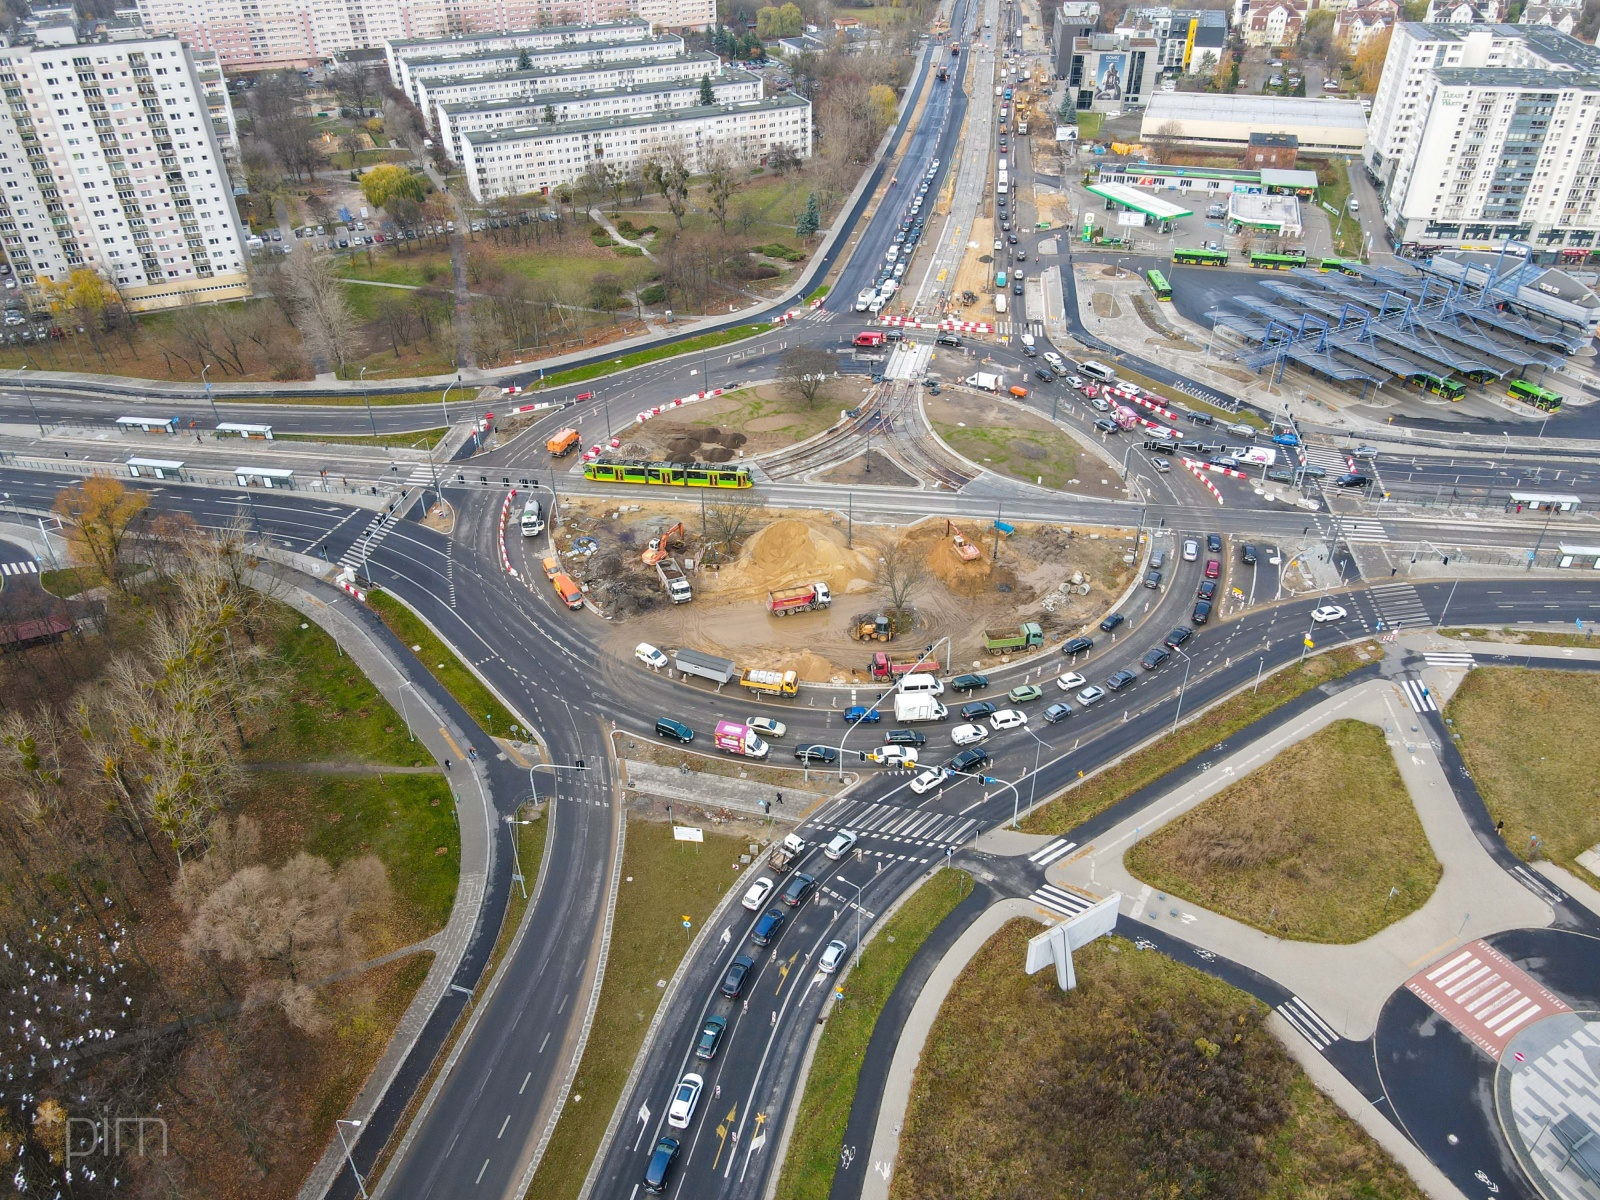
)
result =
(562, 108)
(503, 162)
(1202, 119)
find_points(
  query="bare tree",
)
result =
(803, 370)
(902, 570)
(724, 174)
(668, 172)
(1163, 142)
(350, 142)
(729, 521)
(321, 308)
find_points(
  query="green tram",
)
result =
(706, 475)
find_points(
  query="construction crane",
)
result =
(673, 537)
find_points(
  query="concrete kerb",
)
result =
(802, 1076)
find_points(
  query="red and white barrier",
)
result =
(1194, 469)
(817, 303)
(787, 317)
(945, 326)
(346, 581)
(505, 514)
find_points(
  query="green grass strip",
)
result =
(818, 294)
(443, 664)
(831, 1084)
(420, 439)
(706, 341)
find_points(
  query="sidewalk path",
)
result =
(1346, 985)
(599, 218)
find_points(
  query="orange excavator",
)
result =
(964, 549)
(673, 537)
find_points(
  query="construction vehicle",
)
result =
(674, 581)
(563, 443)
(532, 519)
(873, 629)
(770, 683)
(883, 667)
(804, 598)
(786, 853)
(706, 666)
(965, 550)
(919, 707)
(672, 539)
(1005, 641)
(943, 75)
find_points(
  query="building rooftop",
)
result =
(621, 23)
(1255, 110)
(1210, 37)
(1274, 139)
(1278, 177)
(540, 99)
(1516, 77)
(622, 64)
(534, 52)
(1132, 198)
(488, 137)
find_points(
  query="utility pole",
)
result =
(372, 420)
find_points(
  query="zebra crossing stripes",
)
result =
(1017, 328)
(1418, 696)
(1046, 855)
(377, 529)
(1461, 660)
(1484, 995)
(1362, 529)
(895, 822)
(19, 568)
(1399, 605)
(1326, 457)
(422, 475)
(1307, 1023)
(1059, 900)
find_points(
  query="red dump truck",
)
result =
(884, 667)
(799, 599)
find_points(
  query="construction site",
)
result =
(808, 592)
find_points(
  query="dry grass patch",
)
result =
(1151, 1079)
(1307, 847)
(1519, 732)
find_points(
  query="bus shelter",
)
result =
(148, 424)
(1542, 502)
(267, 477)
(241, 429)
(155, 468)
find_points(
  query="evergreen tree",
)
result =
(809, 221)
(707, 96)
(524, 59)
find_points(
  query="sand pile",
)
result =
(791, 552)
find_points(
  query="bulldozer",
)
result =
(672, 539)
(873, 627)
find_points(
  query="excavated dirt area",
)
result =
(742, 424)
(1029, 580)
(875, 470)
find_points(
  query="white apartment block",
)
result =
(465, 49)
(419, 71)
(508, 162)
(109, 160)
(681, 15)
(266, 34)
(731, 87)
(214, 90)
(1484, 133)
(466, 91)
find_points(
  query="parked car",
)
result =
(650, 656)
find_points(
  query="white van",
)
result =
(532, 519)
(1002, 167)
(921, 685)
(1097, 370)
(1000, 302)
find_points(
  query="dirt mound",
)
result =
(790, 552)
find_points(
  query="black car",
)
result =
(1077, 645)
(1214, 543)
(797, 889)
(1041, 374)
(1152, 579)
(661, 1160)
(710, 1037)
(1107, 425)
(1154, 657)
(1202, 612)
(1030, 352)
(1208, 589)
(1179, 636)
(1352, 480)
(733, 981)
(1247, 554)
(1012, 238)
(1022, 256)
(969, 683)
(1016, 288)
(969, 760)
(812, 754)
(978, 709)
(1112, 622)
(905, 737)
(1120, 680)
(947, 339)
(768, 926)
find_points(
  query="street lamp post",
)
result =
(516, 858)
(1182, 687)
(206, 383)
(339, 1124)
(29, 395)
(858, 889)
(1550, 512)
(443, 401)
(1016, 796)
(372, 420)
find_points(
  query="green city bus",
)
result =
(1343, 266)
(1439, 386)
(1532, 393)
(714, 475)
(1278, 262)
(1158, 284)
(1199, 257)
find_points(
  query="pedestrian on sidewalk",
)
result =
(447, 764)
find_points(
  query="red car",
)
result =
(1213, 568)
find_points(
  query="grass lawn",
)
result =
(831, 1086)
(443, 664)
(1150, 1079)
(773, 202)
(1347, 236)
(69, 581)
(1519, 729)
(693, 345)
(663, 755)
(783, 413)
(1045, 456)
(1099, 792)
(1089, 124)
(421, 439)
(669, 879)
(1275, 854)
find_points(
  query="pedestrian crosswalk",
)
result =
(1046, 855)
(422, 475)
(1017, 328)
(1419, 696)
(1361, 529)
(1059, 900)
(1307, 1023)
(897, 823)
(361, 549)
(19, 568)
(1399, 606)
(1459, 660)
(1484, 995)
(816, 316)
(1326, 457)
